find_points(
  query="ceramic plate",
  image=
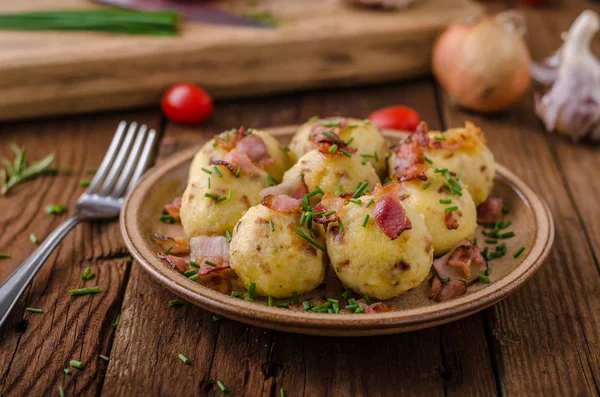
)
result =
(531, 222)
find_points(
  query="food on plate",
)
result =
(462, 151)
(216, 199)
(355, 133)
(396, 117)
(379, 246)
(332, 172)
(257, 147)
(270, 248)
(382, 4)
(186, 103)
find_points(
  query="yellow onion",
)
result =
(483, 66)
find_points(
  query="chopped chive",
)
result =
(61, 392)
(194, 264)
(270, 301)
(283, 305)
(501, 247)
(237, 295)
(117, 321)
(370, 202)
(31, 309)
(440, 138)
(168, 250)
(271, 224)
(518, 252)
(33, 239)
(366, 220)
(217, 171)
(55, 209)
(207, 171)
(102, 356)
(333, 148)
(355, 201)
(331, 123)
(376, 156)
(228, 235)
(184, 359)
(352, 307)
(491, 241)
(217, 317)
(76, 364)
(345, 153)
(505, 224)
(314, 118)
(251, 291)
(174, 302)
(67, 371)
(339, 190)
(505, 209)
(4, 256)
(426, 186)
(167, 219)
(85, 291)
(475, 241)
(210, 263)
(285, 149)
(84, 182)
(451, 209)
(220, 200)
(336, 307)
(332, 300)
(314, 192)
(341, 225)
(229, 195)
(310, 240)
(87, 274)
(484, 279)
(190, 272)
(366, 298)
(328, 213)
(295, 297)
(221, 386)
(445, 201)
(346, 294)
(427, 159)
(209, 182)
(238, 171)
(496, 254)
(507, 235)
(194, 277)
(360, 189)
(281, 392)
(212, 196)
(307, 305)
(303, 218)
(359, 310)
(271, 181)
(484, 253)
(323, 307)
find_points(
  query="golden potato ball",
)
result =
(424, 198)
(210, 151)
(361, 134)
(278, 261)
(369, 262)
(328, 171)
(206, 215)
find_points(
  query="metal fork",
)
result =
(125, 161)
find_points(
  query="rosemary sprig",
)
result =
(18, 171)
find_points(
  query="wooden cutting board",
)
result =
(319, 43)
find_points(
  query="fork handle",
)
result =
(12, 288)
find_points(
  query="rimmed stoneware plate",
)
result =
(531, 222)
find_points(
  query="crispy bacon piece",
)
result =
(222, 279)
(296, 188)
(329, 203)
(410, 157)
(282, 203)
(324, 136)
(175, 262)
(224, 163)
(451, 221)
(490, 210)
(229, 141)
(177, 245)
(388, 211)
(441, 291)
(254, 147)
(378, 307)
(464, 262)
(174, 208)
(239, 159)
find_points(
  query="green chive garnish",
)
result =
(507, 235)
(341, 225)
(229, 195)
(366, 298)
(331, 123)
(346, 294)
(76, 364)
(440, 138)
(117, 321)
(102, 356)
(339, 190)
(285, 149)
(271, 224)
(270, 301)
(194, 264)
(426, 186)
(209, 182)
(345, 153)
(355, 201)
(518, 252)
(428, 159)
(87, 274)
(190, 272)
(85, 291)
(295, 297)
(31, 309)
(310, 240)
(85, 182)
(281, 392)
(451, 209)
(445, 201)
(55, 209)
(251, 291)
(184, 359)
(271, 181)
(364, 224)
(484, 279)
(207, 171)
(221, 386)
(228, 235)
(210, 263)
(491, 241)
(360, 189)
(359, 310)
(4, 256)
(33, 239)
(283, 305)
(505, 209)
(313, 118)
(174, 302)
(217, 317)
(336, 307)
(61, 392)
(333, 148)
(167, 219)
(217, 171)
(168, 250)
(314, 192)
(212, 196)
(67, 371)
(307, 305)
(195, 277)
(370, 202)
(238, 171)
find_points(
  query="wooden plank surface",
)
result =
(318, 44)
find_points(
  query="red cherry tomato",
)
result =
(186, 103)
(396, 117)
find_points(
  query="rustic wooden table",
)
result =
(543, 340)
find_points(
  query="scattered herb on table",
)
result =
(117, 321)
(217, 317)
(32, 310)
(33, 239)
(281, 392)
(85, 291)
(85, 182)
(4, 256)
(61, 392)
(102, 356)
(184, 359)
(76, 364)
(18, 171)
(174, 302)
(221, 386)
(67, 371)
(87, 274)
(55, 209)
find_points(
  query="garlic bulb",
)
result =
(572, 106)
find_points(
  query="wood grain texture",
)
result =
(36, 347)
(318, 44)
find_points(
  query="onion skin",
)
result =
(482, 66)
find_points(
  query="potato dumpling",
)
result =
(220, 210)
(464, 152)
(278, 261)
(218, 147)
(328, 171)
(361, 134)
(369, 262)
(448, 228)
